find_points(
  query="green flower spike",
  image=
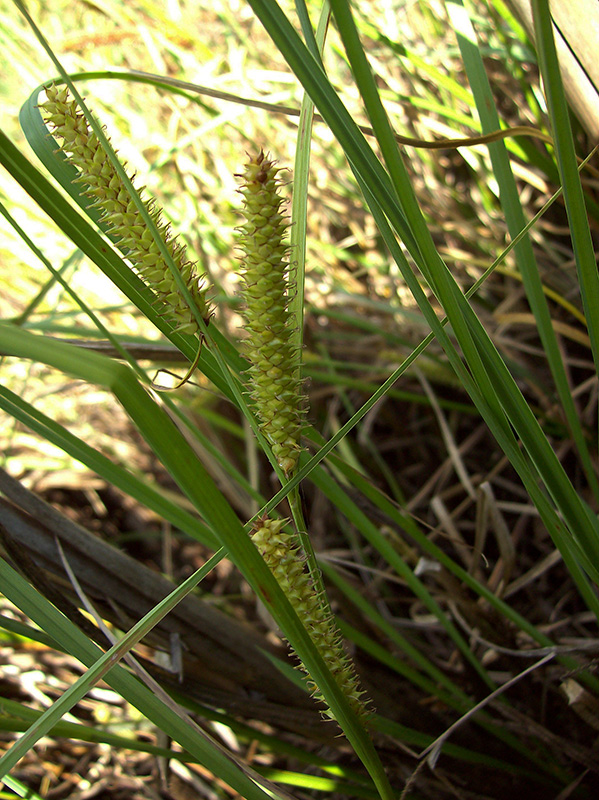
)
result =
(286, 562)
(274, 370)
(120, 215)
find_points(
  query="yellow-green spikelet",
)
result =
(268, 289)
(120, 214)
(284, 559)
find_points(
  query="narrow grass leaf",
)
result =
(557, 106)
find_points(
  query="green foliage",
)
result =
(379, 242)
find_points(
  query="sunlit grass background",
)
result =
(424, 445)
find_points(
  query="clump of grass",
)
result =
(437, 660)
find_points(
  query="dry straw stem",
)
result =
(122, 218)
(275, 385)
(284, 558)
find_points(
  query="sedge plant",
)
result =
(273, 362)
(136, 227)
(158, 279)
